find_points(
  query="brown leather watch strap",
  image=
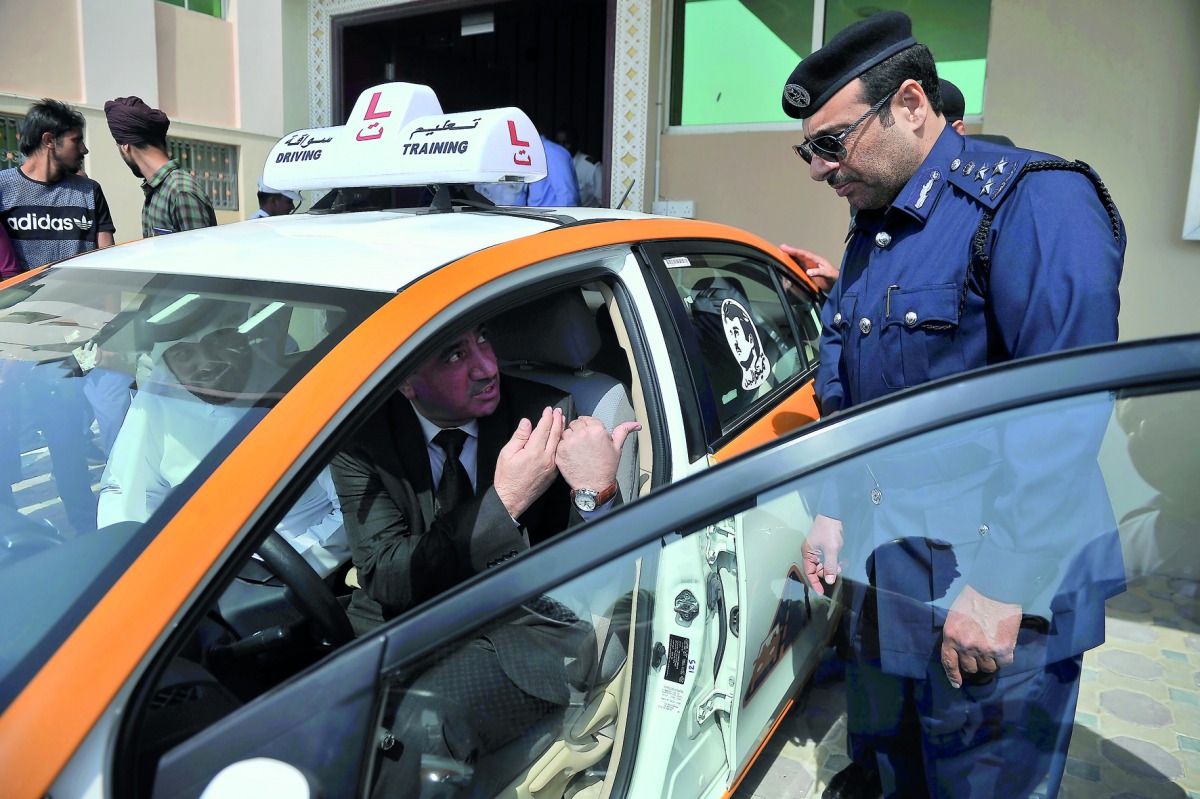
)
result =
(604, 496)
(607, 493)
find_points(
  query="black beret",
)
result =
(954, 107)
(847, 55)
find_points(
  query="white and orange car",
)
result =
(130, 646)
(171, 407)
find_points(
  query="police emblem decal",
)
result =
(969, 168)
(797, 95)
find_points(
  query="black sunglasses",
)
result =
(832, 148)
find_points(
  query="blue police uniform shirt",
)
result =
(901, 313)
(559, 188)
(906, 310)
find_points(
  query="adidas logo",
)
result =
(31, 221)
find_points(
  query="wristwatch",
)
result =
(588, 500)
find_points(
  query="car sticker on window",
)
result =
(745, 344)
(677, 261)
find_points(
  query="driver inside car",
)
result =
(463, 469)
(195, 395)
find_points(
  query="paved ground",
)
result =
(1137, 728)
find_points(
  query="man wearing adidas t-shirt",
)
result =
(48, 211)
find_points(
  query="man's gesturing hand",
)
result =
(820, 551)
(526, 467)
(588, 455)
(980, 635)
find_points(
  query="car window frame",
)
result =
(717, 433)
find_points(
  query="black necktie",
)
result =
(455, 486)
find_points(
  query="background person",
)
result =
(274, 202)
(199, 392)
(48, 211)
(589, 172)
(9, 265)
(174, 200)
(558, 189)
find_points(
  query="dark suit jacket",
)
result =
(404, 555)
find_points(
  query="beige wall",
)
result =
(1115, 83)
(196, 66)
(24, 43)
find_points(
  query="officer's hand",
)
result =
(588, 455)
(525, 468)
(823, 273)
(820, 551)
(980, 635)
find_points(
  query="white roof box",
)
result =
(397, 135)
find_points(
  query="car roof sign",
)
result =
(397, 135)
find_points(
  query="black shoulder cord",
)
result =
(980, 260)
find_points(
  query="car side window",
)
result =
(742, 326)
(806, 310)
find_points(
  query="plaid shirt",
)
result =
(174, 202)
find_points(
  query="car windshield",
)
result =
(121, 392)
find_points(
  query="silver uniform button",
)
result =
(910, 318)
(955, 164)
(883, 238)
(837, 318)
(983, 529)
(864, 325)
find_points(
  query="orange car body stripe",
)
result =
(48, 720)
(766, 739)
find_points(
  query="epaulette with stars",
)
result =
(986, 174)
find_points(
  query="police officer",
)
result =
(962, 253)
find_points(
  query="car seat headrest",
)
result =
(558, 330)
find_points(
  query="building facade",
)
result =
(678, 98)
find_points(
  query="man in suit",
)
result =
(425, 510)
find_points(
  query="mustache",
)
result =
(480, 386)
(841, 177)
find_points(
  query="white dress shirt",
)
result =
(166, 433)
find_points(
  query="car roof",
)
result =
(371, 250)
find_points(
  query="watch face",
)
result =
(585, 499)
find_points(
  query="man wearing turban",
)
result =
(175, 201)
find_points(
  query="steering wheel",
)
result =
(307, 591)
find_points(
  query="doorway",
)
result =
(551, 59)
